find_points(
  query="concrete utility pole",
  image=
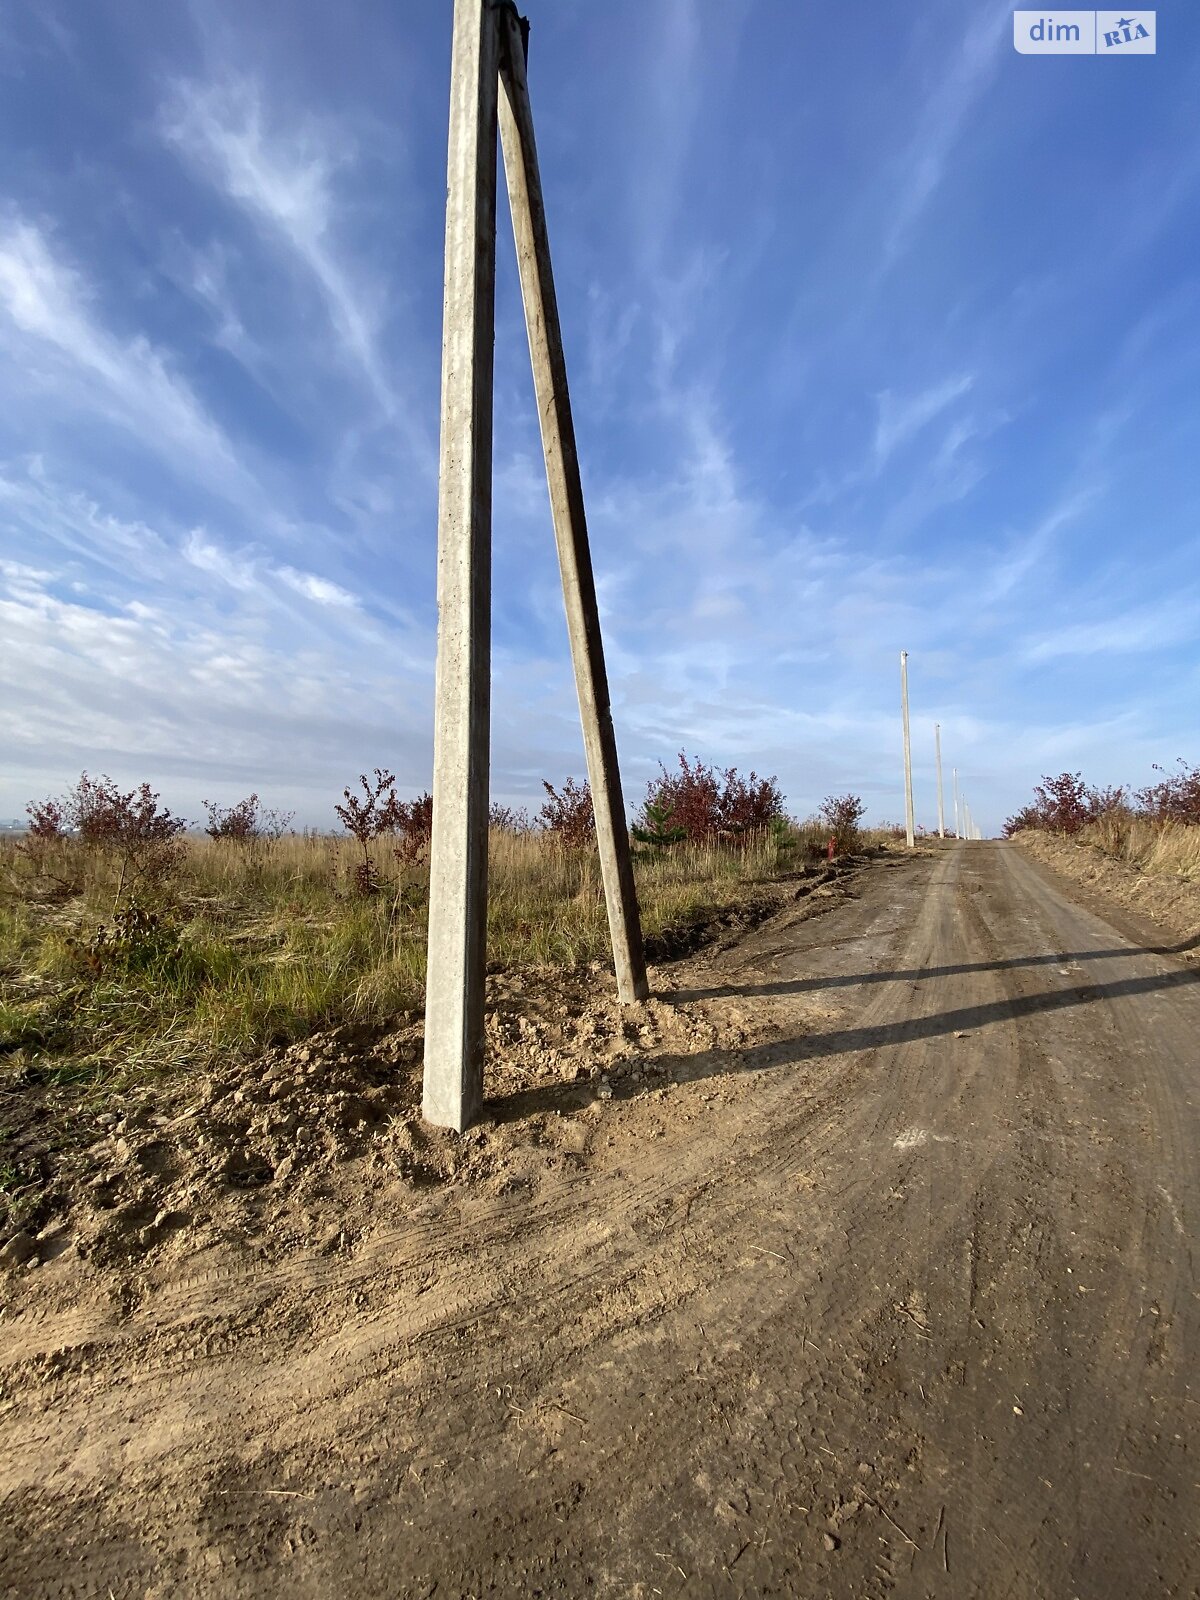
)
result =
(488, 40)
(937, 743)
(909, 826)
(566, 505)
(454, 985)
(957, 810)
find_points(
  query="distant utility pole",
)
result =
(489, 44)
(909, 827)
(957, 811)
(937, 744)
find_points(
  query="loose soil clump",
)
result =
(261, 1153)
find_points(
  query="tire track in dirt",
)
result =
(776, 1351)
(1139, 1294)
(648, 1192)
(428, 1244)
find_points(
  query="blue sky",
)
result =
(880, 336)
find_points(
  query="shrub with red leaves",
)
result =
(103, 814)
(1028, 817)
(567, 813)
(237, 824)
(509, 819)
(843, 814)
(366, 818)
(1175, 797)
(378, 812)
(1110, 801)
(413, 821)
(1066, 804)
(1060, 805)
(47, 820)
(131, 826)
(47, 830)
(247, 825)
(707, 802)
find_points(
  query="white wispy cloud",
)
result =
(37, 512)
(203, 272)
(717, 603)
(284, 181)
(670, 93)
(942, 120)
(114, 554)
(901, 418)
(205, 556)
(1025, 554)
(53, 332)
(319, 590)
(203, 694)
(1124, 633)
(254, 574)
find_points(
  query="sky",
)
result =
(880, 335)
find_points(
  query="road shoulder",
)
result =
(1151, 909)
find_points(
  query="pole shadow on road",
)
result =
(917, 974)
(851, 1041)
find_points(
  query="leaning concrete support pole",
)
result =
(909, 826)
(937, 744)
(454, 988)
(566, 505)
(957, 809)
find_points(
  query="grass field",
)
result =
(247, 946)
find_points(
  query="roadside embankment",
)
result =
(1157, 885)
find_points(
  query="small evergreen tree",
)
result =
(656, 829)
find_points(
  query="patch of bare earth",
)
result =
(1170, 904)
(310, 1145)
(897, 1301)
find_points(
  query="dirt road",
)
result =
(900, 1302)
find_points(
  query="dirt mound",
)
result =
(245, 1153)
(308, 1143)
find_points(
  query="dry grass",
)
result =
(1170, 849)
(268, 945)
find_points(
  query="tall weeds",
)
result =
(245, 948)
(1169, 848)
